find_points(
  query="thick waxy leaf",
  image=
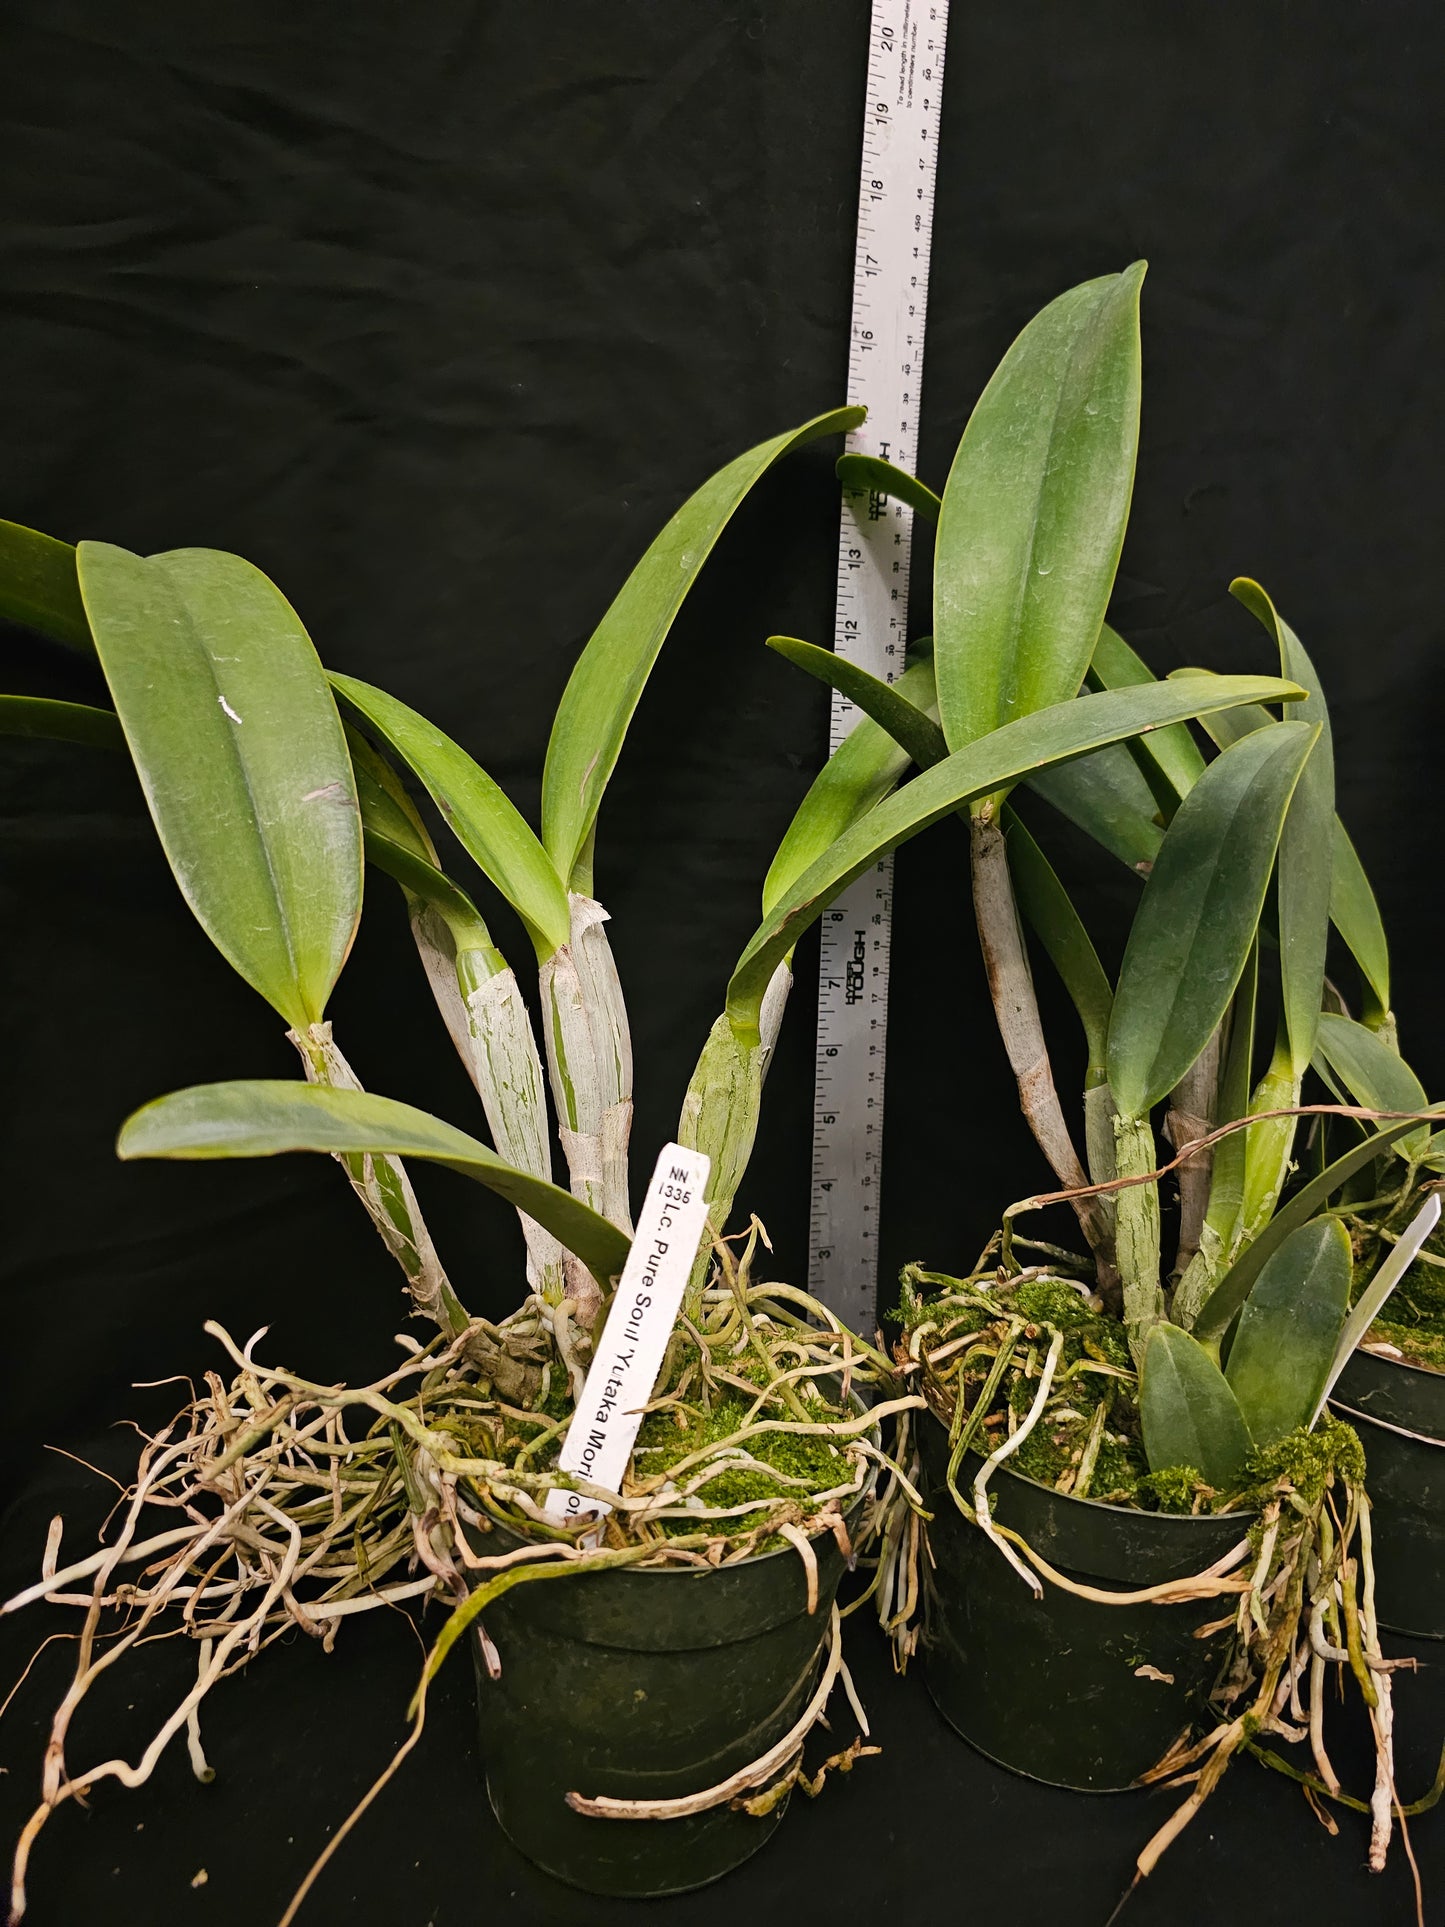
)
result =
(1356, 916)
(1103, 793)
(386, 809)
(241, 756)
(1050, 914)
(1034, 511)
(1371, 1301)
(38, 588)
(490, 828)
(1289, 1328)
(1108, 795)
(1353, 909)
(1269, 1144)
(858, 472)
(884, 702)
(1306, 847)
(1190, 1416)
(1107, 798)
(1199, 913)
(1232, 1290)
(433, 886)
(398, 844)
(261, 1117)
(1374, 1075)
(1226, 1189)
(866, 766)
(60, 722)
(1173, 753)
(1068, 729)
(610, 675)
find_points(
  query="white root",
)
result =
(1006, 1450)
(292, 1521)
(778, 1759)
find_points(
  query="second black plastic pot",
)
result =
(645, 1685)
(1063, 1689)
(1399, 1412)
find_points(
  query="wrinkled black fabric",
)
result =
(436, 312)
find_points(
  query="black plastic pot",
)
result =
(1388, 1401)
(1057, 1688)
(645, 1685)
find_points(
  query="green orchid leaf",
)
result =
(433, 886)
(1228, 1171)
(398, 844)
(1227, 729)
(1232, 1290)
(1375, 1076)
(1172, 754)
(1356, 916)
(1353, 909)
(610, 675)
(866, 766)
(38, 587)
(998, 761)
(1289, 1328)
(860, 472)
(1034, 511)
(884, 702)
(1050, 914)
(1111, 795)
(60, 722)
(1041, 895)
(1306, 846)
(386, 809)
(1189, 1414)
(257, 1118)
(1105, 796)
(1371, 1301)
(489, 827)
(1199, 914)
(242, 759)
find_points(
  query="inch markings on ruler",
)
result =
(885, 372)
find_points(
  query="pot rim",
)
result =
(1356, 1416)
(1399, 1364)
(1107, 1507)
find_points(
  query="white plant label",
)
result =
(901, 119)
(630, 1351)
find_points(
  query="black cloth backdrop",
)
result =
(436, 312)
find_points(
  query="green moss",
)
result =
(662, 1443)
(1120, 1471)
(1053, 1303)
(1307, 1460)
(1415, 1320)
(1045, 1455)
(1177, 1488)
(1419, 1345)
(1053, 1451)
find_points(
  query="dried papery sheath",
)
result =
(485, 1014)
(385, 1189)
(589, 1056)
(1137, 1231)
(508, 1073)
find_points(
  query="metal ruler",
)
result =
(885, 372)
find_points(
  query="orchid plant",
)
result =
(1241, 857)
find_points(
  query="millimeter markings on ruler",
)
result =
(885, 372)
